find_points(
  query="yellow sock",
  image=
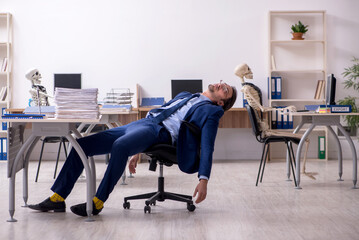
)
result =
(56, 198)
(98, 203)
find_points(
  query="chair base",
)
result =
(160, 196)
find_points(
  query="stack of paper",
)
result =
(76, 103)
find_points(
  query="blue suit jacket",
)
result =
(206, 116)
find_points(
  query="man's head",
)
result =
(222, 94)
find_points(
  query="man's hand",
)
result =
(201, 189)
(133, 163)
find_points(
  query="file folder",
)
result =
(4, 124)
(278, 83)
(285, 119)
(321, 147)
(279, 119)
(290, 120)
(274, 119)
(4, 149)
(273, 88)
(1, 140)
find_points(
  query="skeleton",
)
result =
(253, 95)
(37, 91)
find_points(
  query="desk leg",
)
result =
(300, 125)
(76, 133)
(25, 179)
(118, 124)
(93, 175)
(340, 153)
(82, 125)
(354, 154)
(89, 179)
(299, 150)
(89, 129)
(12, 177)
(124, 176)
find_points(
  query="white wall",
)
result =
(121, 43)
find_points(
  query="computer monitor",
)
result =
(189, 85)
(331, 87)
(67, 80)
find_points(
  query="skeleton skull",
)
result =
(243, 70)
(34, 76)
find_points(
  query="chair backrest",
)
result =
(253, 119)
(168, 153)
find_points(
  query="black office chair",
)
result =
(62, 141)
(267, 140)
(164, 154)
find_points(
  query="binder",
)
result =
(278, 83)
(273, 88)
(4, 124)
(4, 148)
(279, 119)
(321, 147)
(285, 119)
(274, 119)
(340, 108)
(1, 153)
(290, 120)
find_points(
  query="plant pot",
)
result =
(297, 36)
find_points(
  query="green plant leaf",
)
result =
(299, 27)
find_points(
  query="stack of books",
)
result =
(3, 93)
(3, 65)
(76, 103)
(319, 91)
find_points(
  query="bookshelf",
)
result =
(5, 65)
(299, 63)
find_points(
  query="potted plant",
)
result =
(352, 81)
(298, 30)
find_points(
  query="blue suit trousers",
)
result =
(120, 142)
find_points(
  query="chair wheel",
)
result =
(147, 209)
(126, 205)
(191, 207)
(153, 203)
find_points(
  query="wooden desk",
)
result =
(328, 120)
(20, 150)
(233, 118)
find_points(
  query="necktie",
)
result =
(167, 112)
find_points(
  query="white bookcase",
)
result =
(5, 59)
(300, 63)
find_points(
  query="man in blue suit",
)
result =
(162, 125)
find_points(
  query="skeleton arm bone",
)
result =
(254, 100)
(34, 92)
